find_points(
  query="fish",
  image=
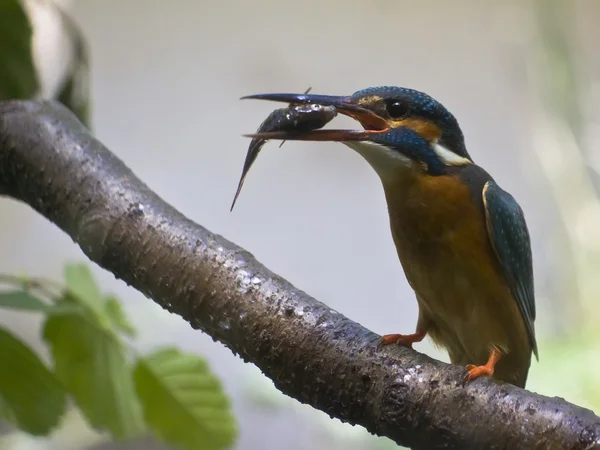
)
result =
(296, 117)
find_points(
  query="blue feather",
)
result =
(410, 143)
(510, 239)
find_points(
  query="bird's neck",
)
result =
(424, 209)
(390, 165)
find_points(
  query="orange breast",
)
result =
(443, 245)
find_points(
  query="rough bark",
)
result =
(49, 160)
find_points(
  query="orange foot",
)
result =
(487, 370)
(405, 340)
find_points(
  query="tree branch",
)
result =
(49, 160)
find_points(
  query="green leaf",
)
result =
(6, 413)
(25, 301)
(114, 311)
(22, 300)
(90, 361)
(184, 402)
(30, 394)
(80, 282)
(18, 77)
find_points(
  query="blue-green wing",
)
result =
(510, 238)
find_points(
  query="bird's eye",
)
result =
(397, 110)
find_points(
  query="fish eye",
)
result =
(397, 109)
(316, 107)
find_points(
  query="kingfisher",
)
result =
(462, 240)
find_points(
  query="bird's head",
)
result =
(402, 128)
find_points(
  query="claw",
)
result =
(404, 340)
(474, 371)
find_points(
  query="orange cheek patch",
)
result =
(429, 131)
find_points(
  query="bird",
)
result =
(462, 240)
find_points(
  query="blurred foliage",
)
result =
(571, 368)
(171, 394)
(568, 359)
(558, 82)
(19, 77)
(90, 362)
(31, 394)
(562, 92)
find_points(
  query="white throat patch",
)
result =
(449, 157)
(386, 162)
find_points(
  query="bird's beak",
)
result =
(372, 123)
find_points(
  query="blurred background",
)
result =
(522, 77)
